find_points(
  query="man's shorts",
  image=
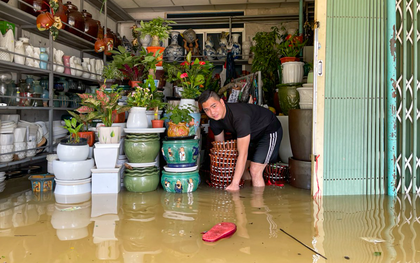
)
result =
(266, 149)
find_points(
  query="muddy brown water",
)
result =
(166, 227)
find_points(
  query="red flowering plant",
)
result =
(102, 104)
(192, 76)
(291, 46)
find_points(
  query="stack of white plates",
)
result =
(8, 126)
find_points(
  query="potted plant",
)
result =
(111, 74)
(139, 100)
(150, 61)
(158, 29)
(74, 148)
(129, 64)
(266, 60)
(101, 106)
(156, 106)
(84, 121)
(178, 119)
(290, 47)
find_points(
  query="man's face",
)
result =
(215, 109)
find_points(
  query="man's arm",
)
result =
(243, 144)
(220, 137)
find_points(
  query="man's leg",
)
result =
(247, 175)
(256, 170)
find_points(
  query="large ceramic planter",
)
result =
(141, 148)
(71, 152)
(106, 155)
(300, 173)
(137, 118)
(75, 170)
(288, 97)
(140, 184)
(194, 124)
(73, 191)
(292, 72)
(300, 130)
(183, 182)
(109, 134)
(180, 153)
(178, 130)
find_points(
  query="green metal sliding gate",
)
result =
(408, 88)
(355, 92)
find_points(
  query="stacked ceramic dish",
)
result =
(2, 182)
(223, 157)
(73, 172)
(8, 126)
(141, 177)
(6, 147)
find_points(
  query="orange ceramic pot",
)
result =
(99, 45)
(89, 136)
(109, 45)
(135, 83)
(157, 123)
(178, 130)
(118, 118)
(153, 50)
(44, 21)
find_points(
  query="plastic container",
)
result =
(42, 182)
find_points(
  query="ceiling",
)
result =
(134, 6)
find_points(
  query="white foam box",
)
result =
(106, 181)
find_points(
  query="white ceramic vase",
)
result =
(29, 51)
(21, 50)
(58, 57)
(9, 43)
(92, 63)
(86, 69)
(137, 118)
(145, 41)
(99, 67)
(37, 52)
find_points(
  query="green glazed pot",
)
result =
(140, 184)
(183, 182)
(180, 153)
(141, 152)
(288, 97)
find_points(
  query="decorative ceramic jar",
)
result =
(66, 60)
(137, 118)
(180, 153)
(236, 49)
(180, 182)
(145, 40)
(189, 35)
(91, 26)
(75, 19)
(209, 52)
(246, 48)
(288, 97)
(222, 50)
(144, 179)
(174, 51)
(141, 148)
(36, 6)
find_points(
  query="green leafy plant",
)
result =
(157, 27)
(82, 119)
(73, 128)
(129, 64)
(149, 61)
(192, 76)
(102, 104)
(177, 115)
(291, 46)
(267, 61)
(110, 71)
(142, 95)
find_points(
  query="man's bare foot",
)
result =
(232, 187)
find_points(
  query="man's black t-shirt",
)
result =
(242, 119)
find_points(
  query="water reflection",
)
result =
(162, 227)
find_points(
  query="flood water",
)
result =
(166, 227)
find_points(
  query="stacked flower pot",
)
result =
(141, 147)
(72, 172)
(223, 157)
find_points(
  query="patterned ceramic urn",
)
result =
(180, 182)
(180, 153)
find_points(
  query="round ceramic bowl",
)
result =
(180, 153)
(72, 170)
(182, 182)
(72, 152)
(140, 184)
(70, 192)
(71, 217)
(141, 152)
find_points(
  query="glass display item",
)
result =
(37, 88)
(36, 102)
(63, 100)
(15, 93)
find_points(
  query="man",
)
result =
(257, 129)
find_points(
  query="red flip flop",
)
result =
(222, 230)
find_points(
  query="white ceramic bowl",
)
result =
(6, 139)
(19, 134)
(76, 170)
(70, 153)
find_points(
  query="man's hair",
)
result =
(206, 95)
